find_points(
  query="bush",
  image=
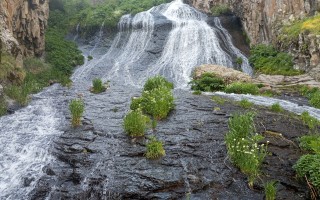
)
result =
(98, 86)
(158, 102)
(207, 82)
(242, 88)
(308, 166)
(76, 108)
(154, 149)
(266, 59)
(135, 123)
(270, 190)
(157, 82)
(221, 9)
(136, 103)
(242, 145)
(276, 107)
(310, 121)
(310, 143)
(244, 103)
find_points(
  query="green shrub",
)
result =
(242, 88)
(208, 82)
(135, 123)
(154, 148)
(76, 108)
(244, 103)
(98, 86)
(310, 143)
(315, 99)
(220, 9)
(90, 58)
(270, 190)
(239, 61)
(308, 166)
(157, 82)
(136, 103)
(310, 121)
(266, 59)
(242, 145)
(276, 107)
(158, 102)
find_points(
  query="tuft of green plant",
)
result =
(219, 100)
(310, 121)
(154, 124)
(276, 108)
(98, 86)
(158, 102)
(3, 106)
(135, 123)
(154, 148)
(245, 103)
(243, 145)
(197, 92)
(136, 103)
(239, 61)
(76, 108)
(308, 167)
(157, 82)
(90, 57)
(315, 99)
(242, 88)
(270, 190)
(221, 9)
(267, 60)
(208, 82)
(310, 143)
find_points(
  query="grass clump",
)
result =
(98, 86)
(90, 57)
(310, 143)
(245, 103)
(242, 88)
(219, 100)
(315, 99)
(135, 123)
(221, 9)
(208, 82)
(197, 92)
(3, 106)
(270, 190)
(157, 82)
(276, 108)
(267, 60)
(154, 148)
(136, 103)
(76, 108)
(242, 145)
(310, 121)
(158, 102)
(313, 94)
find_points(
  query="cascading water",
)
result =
(170, 39)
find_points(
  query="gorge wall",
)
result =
(22, 26)
(263, 19)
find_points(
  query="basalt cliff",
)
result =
(263, 20)
(22, 26)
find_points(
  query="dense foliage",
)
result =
(242, 88)
(135, 123)
(208, 82)
(221, 9)
(266, 59)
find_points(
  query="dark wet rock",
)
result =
(27, 181)
(48, 170)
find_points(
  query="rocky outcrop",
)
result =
(261, 18)
(22, 26)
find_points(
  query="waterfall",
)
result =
(136, 55)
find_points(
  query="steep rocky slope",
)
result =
(263, 19)
(22, 26)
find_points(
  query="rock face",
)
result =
(22, 26)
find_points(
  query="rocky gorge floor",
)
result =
(99, 161)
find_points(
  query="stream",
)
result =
(42, 157)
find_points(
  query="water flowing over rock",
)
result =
(22, 26)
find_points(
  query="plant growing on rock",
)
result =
(242, 145)
(242, 88)
(244, 103)
(158, 102)
(276, 107)
(310, 143)
(208, 82)
(315, 99)
(98, 86)
(270, 190)
(310, 121)
(221, 9)
(136, 103)
(135, 123)
(76, 108)
(154, 148)
(157, 82)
